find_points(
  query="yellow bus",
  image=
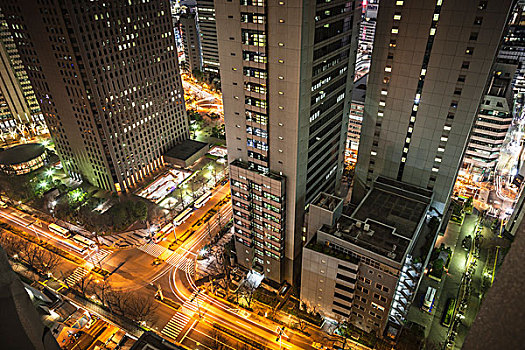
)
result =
(162, 233)
(183, 216)
(59, 230)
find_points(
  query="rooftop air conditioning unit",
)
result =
(366, 227)
(358, 224)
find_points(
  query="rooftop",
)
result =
(326, 201)
(395, 204)
(247, 166)
(21, 153)
(370, 235)
(186, 149)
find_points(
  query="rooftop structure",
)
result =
(22, 159)
(365, 268)
(186, 153)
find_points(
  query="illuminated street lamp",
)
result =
(50, 172)
(43, 184)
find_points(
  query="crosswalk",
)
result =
(177, 323)
(153, 249)
(78, 274)
(100, 255)
(156, 250)
(188, 265)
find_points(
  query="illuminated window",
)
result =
(397, 16)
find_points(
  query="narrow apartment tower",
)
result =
(431, 62)
(107, 78)
(286, 75)
(208, 32)
(190, 40)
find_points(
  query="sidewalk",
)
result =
(448, 286)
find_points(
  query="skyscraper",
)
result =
(430, 66)
(20, 113)
(208, 32)
(191, 40)
(107, 78)
(286, 74)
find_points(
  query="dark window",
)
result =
(473, 36)
(343, 297)
(340, 313)
(461, 78)
(336, 303)
(345, 268)
(345, 278)
(465, 65)
(343, 287)
(478, 21)
(457, 91)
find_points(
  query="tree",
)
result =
(47, 261)
(11, 244)
(140, 211)
(344, 330)
(105, 294)
(85, 285)
(140, 308)
(246, 292)
(438, 265)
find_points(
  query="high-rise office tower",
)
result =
(286, 74)
(107, 78)
(430, 66)
(190, 40)
(208, 31)
(20, 113)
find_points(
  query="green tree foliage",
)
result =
(125, 213)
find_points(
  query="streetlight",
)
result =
(50, 172)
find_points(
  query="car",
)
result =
(316, 345)
(224, 182)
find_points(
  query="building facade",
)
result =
(107, 78)
(208, 32)
(355, 118)
(190, 40)
(427, 78)
(286, 83)
(493, 121)
(20, 114)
